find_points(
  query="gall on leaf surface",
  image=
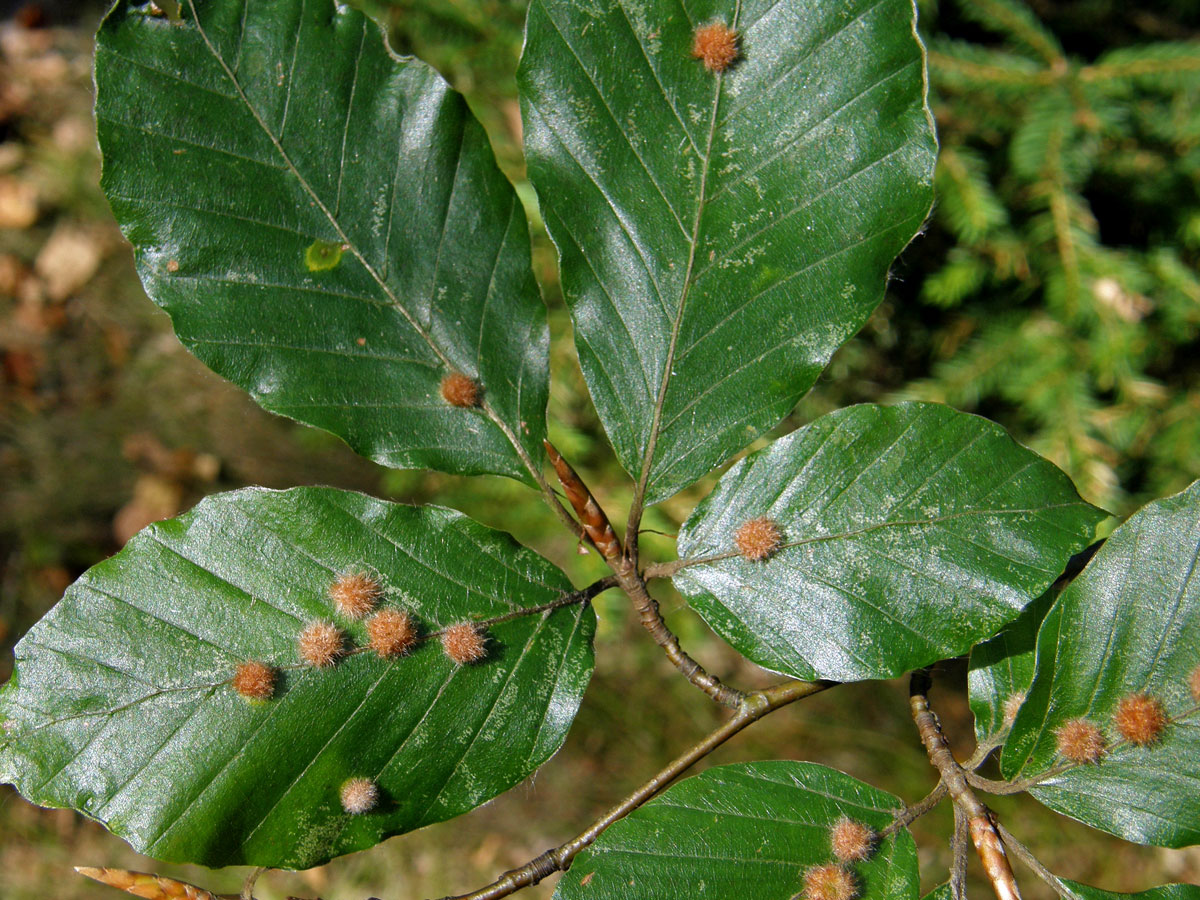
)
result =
(720, 234)
(326, 226)
(123, 707)
(745, 830)
(1125, 631)
(910, 533)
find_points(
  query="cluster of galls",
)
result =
(850, 842)
(321, 645)
(1140, 719)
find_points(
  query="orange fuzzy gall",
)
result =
(829, 882)
(1140, 718)
(392, 632)
(758, 539)
(1079, 741)
(355, 594)
(359, 795)
(716, 44)
(459, 390)
(1194, 684)
(254, 680)
(464, 643)
(321, 644)
(851, 841)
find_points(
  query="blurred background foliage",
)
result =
(1056, 291)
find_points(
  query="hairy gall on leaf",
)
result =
(464, 643)
(829, 882)
(321, 644)
(1140, 718)
(1080, 741)
(255, 680)
(392, 633)
(716, 45)
(355, 594)
(359, 795)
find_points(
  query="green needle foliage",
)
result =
(1069, 217)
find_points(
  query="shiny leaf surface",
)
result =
(720, 233)
(122, 705)
(1001, 669)
(907, 534)
(748, 830)
(326, 226)
(1128, 625)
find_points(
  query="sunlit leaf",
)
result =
(122, 705)
(326, 226)
(1124, 635)
(740, 831)
(906, 535)
(721, 232)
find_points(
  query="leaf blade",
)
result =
(659, 191)
(250, 156)
(909, 533)
(1108, 636)
(122, 705)
(738, 827)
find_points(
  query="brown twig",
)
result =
(979, 818)
(1021, 852)
(600, 533)
(908, 815)
(754, 707)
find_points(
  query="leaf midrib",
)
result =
(344, 238)
(693, 242)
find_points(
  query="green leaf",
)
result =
(1164, 892)
(746, 830)
(122, 706)
(326, 226)
(1130, 624)
(720, 234)
(1001, 670)
(1087, 892)
(908, 534)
